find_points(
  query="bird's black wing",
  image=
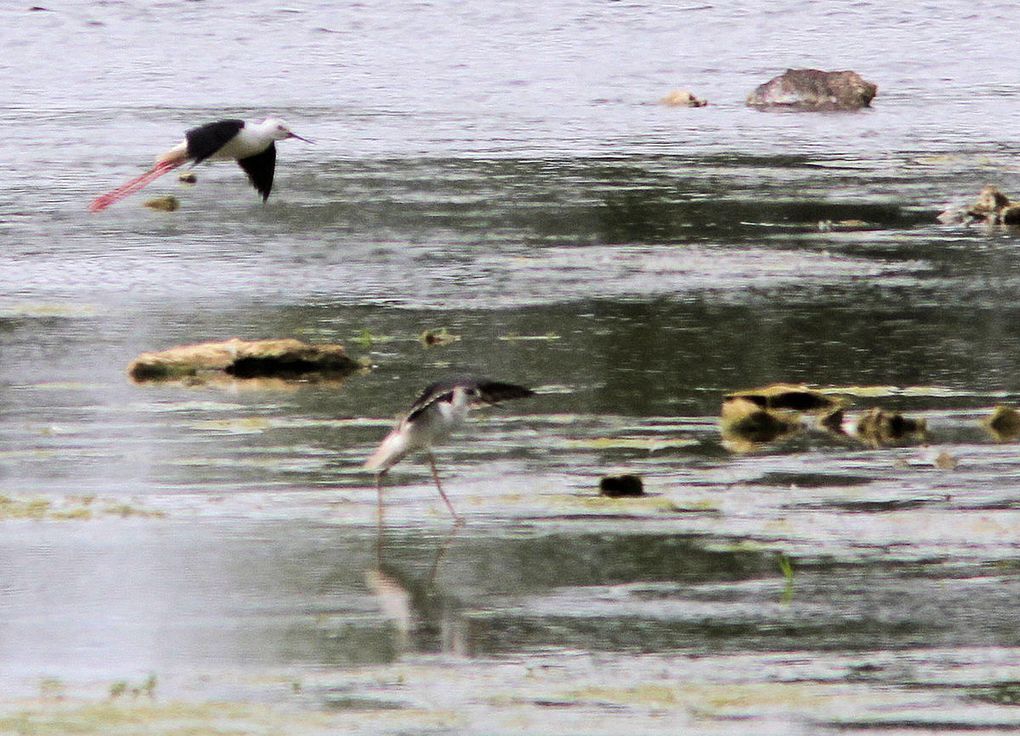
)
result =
(489, 392)
(439, 391)
(260, 168)
(205, 140)
(492, 392)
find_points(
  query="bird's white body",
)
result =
(432, 426)
(252, 145)
(251, 140)
(442, 407)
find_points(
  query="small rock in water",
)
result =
(618, 486)
(992, 207)
(1004, 423)
(682, 98)
(880, 427)
(432, 338)
(945, 461)
(163, 204)
(188, 177)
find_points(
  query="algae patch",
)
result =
(68, 508)
(163, 719)
(45, 310)
(649, 444)
(722, 700)
(744, 699)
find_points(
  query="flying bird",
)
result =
(442, 407)
(252, 145)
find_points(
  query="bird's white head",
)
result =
(277, 130)
(467, 396)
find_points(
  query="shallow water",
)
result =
(505, 173)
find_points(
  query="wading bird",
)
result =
(441, 408)
(252, 145)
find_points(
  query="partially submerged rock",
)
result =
(619, 486)
(286, 358)
(880, 427)
(746, 424)
(786, 396)
(946, 461)
(992, 207)
(757, 416)
(682, 98)
(163, 204)
(1004, 423)
(188, 177)
(814, 89)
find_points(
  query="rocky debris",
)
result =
(282, 358)
(745, 424)
(992, 207)
(619, 486)
(757, 416)
(753, 418)
(682, 98)
(814, 89)
(879, 428)
(1004, 423)
(787, 396)
(188, 177)
(832, 421)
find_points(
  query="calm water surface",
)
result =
(505, 173)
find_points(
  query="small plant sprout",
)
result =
(786, 567)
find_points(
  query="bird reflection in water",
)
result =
(422, 618)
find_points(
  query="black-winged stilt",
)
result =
(252, 145)
(441, 408)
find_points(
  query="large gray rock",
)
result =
(813, 89)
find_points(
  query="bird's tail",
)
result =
(390, 451)
(105, 200)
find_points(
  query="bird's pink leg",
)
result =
(439, 487)
(105, 200)
(379, 516)
(379, 502)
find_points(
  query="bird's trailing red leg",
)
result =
(105, 200)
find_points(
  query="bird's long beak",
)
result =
(300, 138)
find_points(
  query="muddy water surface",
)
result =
(505, 174)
